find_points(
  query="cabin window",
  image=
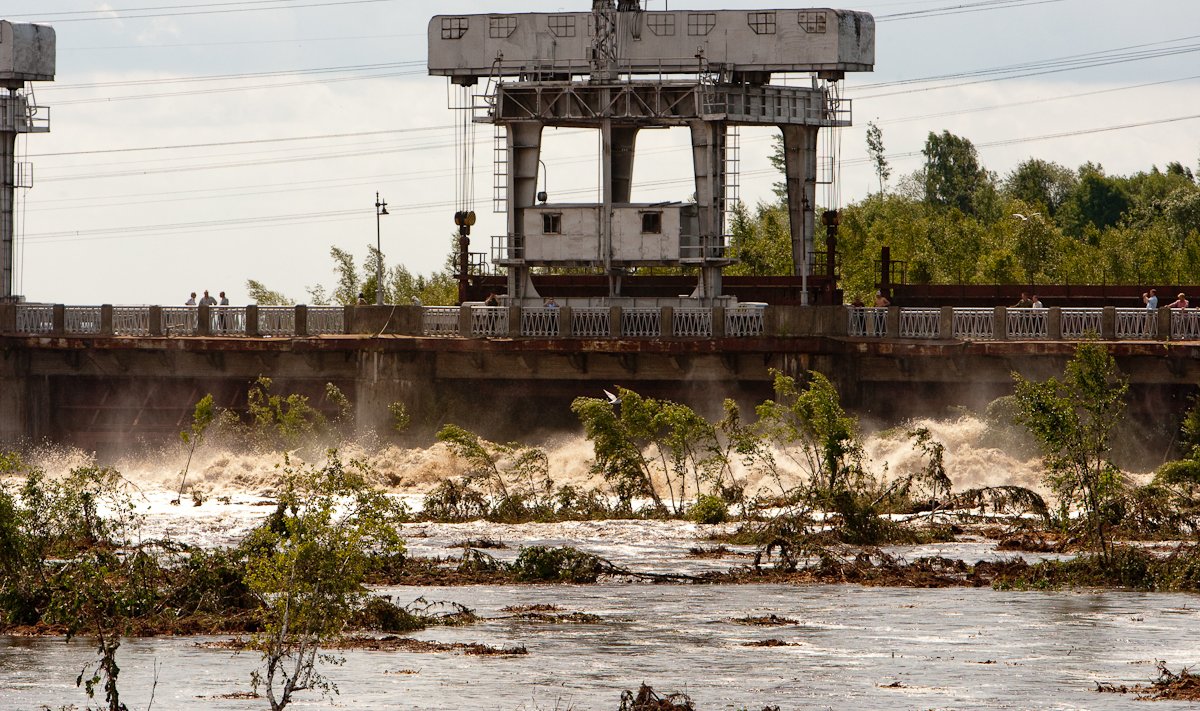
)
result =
(501, 27)
(701, 23)
(661, 25)
(763, 23)
(561, 25)
(552, 223)
(651, 223)
(813, 22)
(454, 27)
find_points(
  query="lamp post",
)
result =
(380, 210)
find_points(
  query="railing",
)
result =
(1027, 324)
(131, 320)
(539, 322)
(868, 322)
(641, 322)
(920, 323)
(596, 321)
(180, 320)
(591, 321)
(1137, 324)
(1185, 324)
(744, 320)
(276, 321)
(227, 321)
(35, 319)
(692, 323)
(974, 324)
(1078, 324)
(489, 321)
(325, 320)
(439, 321)
(81, 320)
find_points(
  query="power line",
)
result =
(117, 16)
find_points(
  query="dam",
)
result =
(104, 377)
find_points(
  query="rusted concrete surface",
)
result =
(98, 391)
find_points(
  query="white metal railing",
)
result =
(590, 321)
(1080, 323)
(1027, 324)
(227, 321)
(439, 321)
(692, 323)
(131, 320)
(1185, 324)
(920, 323)
(974, 324)
(539, 321)
(641, 322)
(744, 320)
(867, 322)
(81, 319)
(489, 321)
(180, 320)
(323, 320)
(1137, 324)
(35, 319)
(276, 321)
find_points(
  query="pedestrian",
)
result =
(1036, 303)
(1150, 299)
(222, 319)
(878, 320)
(1024, 303)
(1180, 302)
(362, 299)
(416, 300)
(550, 303)
(492, 300)
(191, 300)
(207, 300)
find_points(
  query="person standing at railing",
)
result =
(879, 318)
(222, 320)
(1180, 302)
(1150, 326)
(191, 300)
(207, 300)
(1024, 303)
(1036, 303)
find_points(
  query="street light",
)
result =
(380, 210)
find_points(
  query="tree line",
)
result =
(953, 221)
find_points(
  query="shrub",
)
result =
(708, 509)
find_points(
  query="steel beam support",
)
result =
(524, 153)
(800, 169)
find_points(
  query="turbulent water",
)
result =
(843, 647)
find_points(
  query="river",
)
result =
(843, 647)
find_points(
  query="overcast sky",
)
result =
(196, 145)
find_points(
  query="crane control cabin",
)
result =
(619, 69)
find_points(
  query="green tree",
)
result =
(642, 441)
(953, 175)
(1041, 184)
(518, 475)
(877, 154)
(261, 295)
(203, 416)
(761, 242)
(1074, 420)
(306, 566)
(1097, 201)
(810, 427)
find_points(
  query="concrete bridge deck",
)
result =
(98, 390)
